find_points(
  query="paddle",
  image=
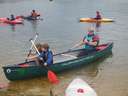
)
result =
(51, 75)
(76, 45)
(31, 46)
(40, 19)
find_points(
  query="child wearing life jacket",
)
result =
(45, 57)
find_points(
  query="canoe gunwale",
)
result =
(62, 65)
(108, 44)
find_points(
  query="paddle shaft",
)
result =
(34, 41)
(32, 46)
(35, 47)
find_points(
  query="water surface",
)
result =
(61, 29)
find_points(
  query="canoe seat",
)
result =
(63, 57)
(72, 56)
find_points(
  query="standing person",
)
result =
(45, 57)
(90, 41)
(34, 15)
(98, 16)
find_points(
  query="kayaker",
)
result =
(90, 41)
(34, 15)
(45, 57)
(12, 17)
(98, 16)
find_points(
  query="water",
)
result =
(61, 29)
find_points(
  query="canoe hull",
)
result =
(18, 72)
(94, 20)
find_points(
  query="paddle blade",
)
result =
(52, 77)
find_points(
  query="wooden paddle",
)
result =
(51, 75)
(31, 46)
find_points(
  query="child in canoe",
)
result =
(45, 57)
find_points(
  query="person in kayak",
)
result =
(12, 17)
(34, 15)
(45, 57)
(98, 16)
(90, 41)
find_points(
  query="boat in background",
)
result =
(79, 87)
(30, 18)
(16, 21)
(92, 20)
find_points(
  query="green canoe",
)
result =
(62, 61)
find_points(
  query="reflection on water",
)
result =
(32, 87)
(13, 28)
(10, 1)
(34, 25)
(61, 30)
(41, 86)
(98, 25)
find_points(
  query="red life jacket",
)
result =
(34, 14)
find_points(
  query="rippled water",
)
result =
(61, 29)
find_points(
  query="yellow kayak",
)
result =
(94, 20)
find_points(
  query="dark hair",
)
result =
(33, 10)
(97, 12)
(45, 46)
(12, 15)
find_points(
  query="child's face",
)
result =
(43, 49)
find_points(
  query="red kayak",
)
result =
(16, 21)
